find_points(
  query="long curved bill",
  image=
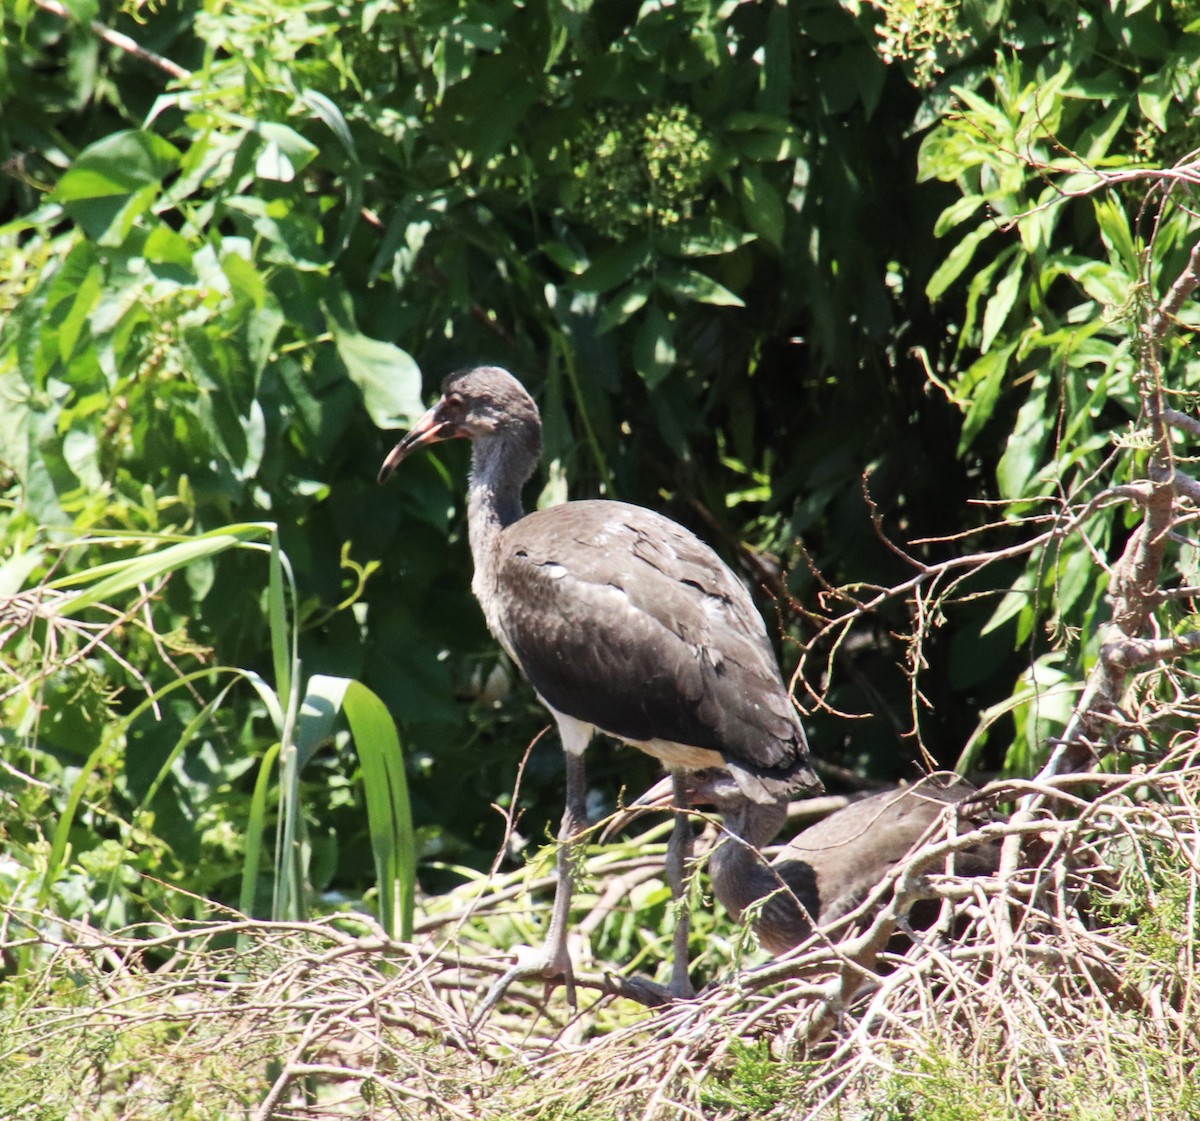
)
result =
(701, 785)
(430, 429)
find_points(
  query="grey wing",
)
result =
(623, 619)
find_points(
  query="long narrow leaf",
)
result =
(62, 831)
(389, 816)
(256, 825)
(281, 653)
(185, 738)
(116, 577)
(388, 810)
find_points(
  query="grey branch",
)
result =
(117, 39)
(1184, 286)
(1129, 653)
(1182, 421)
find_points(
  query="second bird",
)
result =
(624, 622)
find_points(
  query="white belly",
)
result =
(576, 735)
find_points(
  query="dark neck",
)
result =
(500, 467)
(740, 877)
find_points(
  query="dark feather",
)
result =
(624, 620)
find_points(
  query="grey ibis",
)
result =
(624, 623)
(827, 870)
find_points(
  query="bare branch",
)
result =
(1129, 653)
(118, 40)
(1182, 421)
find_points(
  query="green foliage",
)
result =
(713, 238)
(756, 1084)
(1055, 279)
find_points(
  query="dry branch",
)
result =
(334, 1019)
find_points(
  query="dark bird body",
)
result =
(830, 868)
(626, 622)
(623, 621)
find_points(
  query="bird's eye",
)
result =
(454, 402)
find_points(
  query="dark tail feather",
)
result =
(769, 785)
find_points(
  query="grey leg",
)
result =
(554, 961)
(679, 850)
(574, 820)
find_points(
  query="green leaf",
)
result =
(957, 213)
(17, 569)
(256, 826)
(1114, 229)
(385, 787)
(117, 165)
(1023, 453)
(184, 740)
(114, 182)
(985, 379)
(614, 266)
(701, 238)
(387, 377)
(62, 831)
(328, 112)
(1103, 283)
(654, 348)
(283, 652)
(626, 303)
(1015, 600)
(957, 260)
(762, 207)
(116, 577)
(691, 285)
(284, 148)
(1155, 96)
(388, 812)
(1001, 304)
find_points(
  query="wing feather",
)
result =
(625, 620)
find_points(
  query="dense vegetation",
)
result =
(815, 278)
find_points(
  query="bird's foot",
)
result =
(532, 964)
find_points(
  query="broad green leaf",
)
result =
(390, 817)
(957, 213)
(387, 376)
(654, 348)
(762, 207)
(1155, 96)
(1024, 448)
(701, 238)
(691, 285)
(1097, 139)
(957, 260)
(615, 266)
(119, 164)
(384, 786)
(1000, 305)
(985, 378)
(1105, 284)
(17, 569)
(288, 144)
(624, 304)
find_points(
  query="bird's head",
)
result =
(476, 404)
